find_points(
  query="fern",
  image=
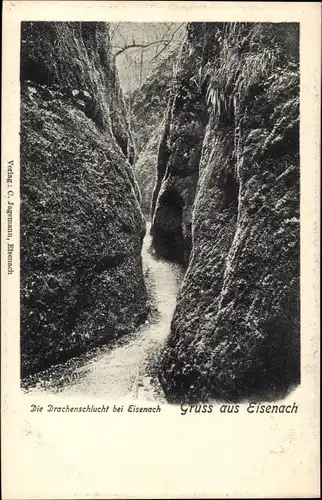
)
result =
(242, 62)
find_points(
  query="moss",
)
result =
(235, 333)
(81, 225)
(76, 56)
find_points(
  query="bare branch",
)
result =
(168, 29)
(167, 43)
(138, 45)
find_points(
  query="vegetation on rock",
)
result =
(228, 189)
(81, 223)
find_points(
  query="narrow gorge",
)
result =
(160, 244)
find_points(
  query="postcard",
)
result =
(160, 259)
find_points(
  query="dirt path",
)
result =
(122, 370)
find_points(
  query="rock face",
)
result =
(148, 106)
(149, 102)
(178, 160)
(228, 191)
(81, 223)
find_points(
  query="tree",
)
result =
(138, 48)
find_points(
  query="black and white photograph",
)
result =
(160, 209)
(160, 229)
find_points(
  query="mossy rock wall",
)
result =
(178, 160)
(81, 223)
(236, 329)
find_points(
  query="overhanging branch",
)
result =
(139, 45)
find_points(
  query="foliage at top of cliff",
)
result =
(244, 57)
(229, 64)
